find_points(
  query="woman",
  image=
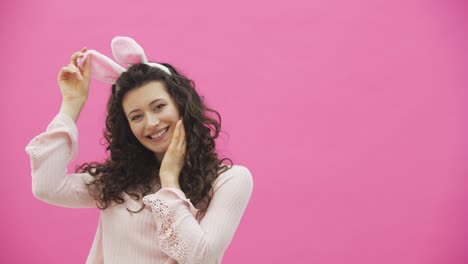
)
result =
(164, 195)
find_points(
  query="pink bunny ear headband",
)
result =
(126, 51)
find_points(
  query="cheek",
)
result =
(135, 130)
(174, 113)
(175, 118)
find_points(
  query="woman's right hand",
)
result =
(74, 85)
(73, 81)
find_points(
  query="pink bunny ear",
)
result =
(102, 67)
(128, 51)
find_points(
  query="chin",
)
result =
(158, 150)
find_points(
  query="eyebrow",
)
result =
(152, 102)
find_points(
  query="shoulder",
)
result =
(236, 175)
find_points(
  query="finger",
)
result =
(64, 73)
(74, 57)
(71, 70)
(77, 70)
(175, 136)
(87, 66)
(184, 147)
(182, 139)
(68, 70)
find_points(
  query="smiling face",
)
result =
(152, 115)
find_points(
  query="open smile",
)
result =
(158, 136)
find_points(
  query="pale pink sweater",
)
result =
(166, 231)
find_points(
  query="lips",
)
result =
(157, 136)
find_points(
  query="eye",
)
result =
(159, 107)
(136, 117)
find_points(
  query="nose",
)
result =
(153, 120)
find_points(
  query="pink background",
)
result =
(351, 115)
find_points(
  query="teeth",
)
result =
(159, 134)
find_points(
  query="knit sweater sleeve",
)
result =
(50, 153)
(185, 239)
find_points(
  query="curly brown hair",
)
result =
(132, 168)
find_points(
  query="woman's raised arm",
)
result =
(52, 151)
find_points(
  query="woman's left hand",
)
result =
(174, 159)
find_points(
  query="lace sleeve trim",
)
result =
(32, 149)
(60, 124)
(171, 242)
